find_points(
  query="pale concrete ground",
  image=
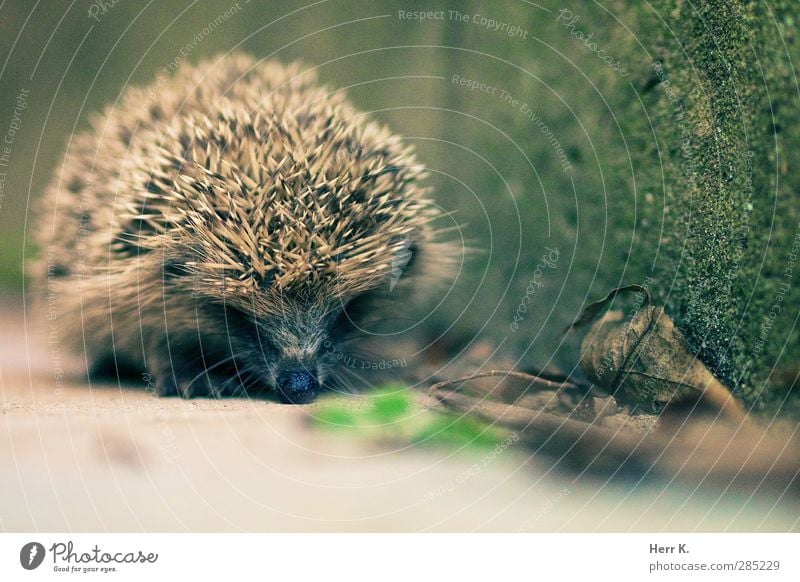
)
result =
(80, 458)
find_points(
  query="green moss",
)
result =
(722, 97)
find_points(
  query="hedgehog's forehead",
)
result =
(314, 269)
(296, 297)
(336, 268)
(289, 243)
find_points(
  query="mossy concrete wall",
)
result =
(716, 158)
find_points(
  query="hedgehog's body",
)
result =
(220, 229)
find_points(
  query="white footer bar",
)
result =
(401, 557)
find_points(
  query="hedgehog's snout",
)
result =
(297, 386)
(292, 362)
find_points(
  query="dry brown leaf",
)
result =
(645, 361)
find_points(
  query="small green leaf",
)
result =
(335, 418)
(390, 407)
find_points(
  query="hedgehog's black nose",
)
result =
(297, 386)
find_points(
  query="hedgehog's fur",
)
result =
(212, 228)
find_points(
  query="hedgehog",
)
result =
(229, 228)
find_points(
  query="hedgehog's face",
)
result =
(308, 335)
(296, 336)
